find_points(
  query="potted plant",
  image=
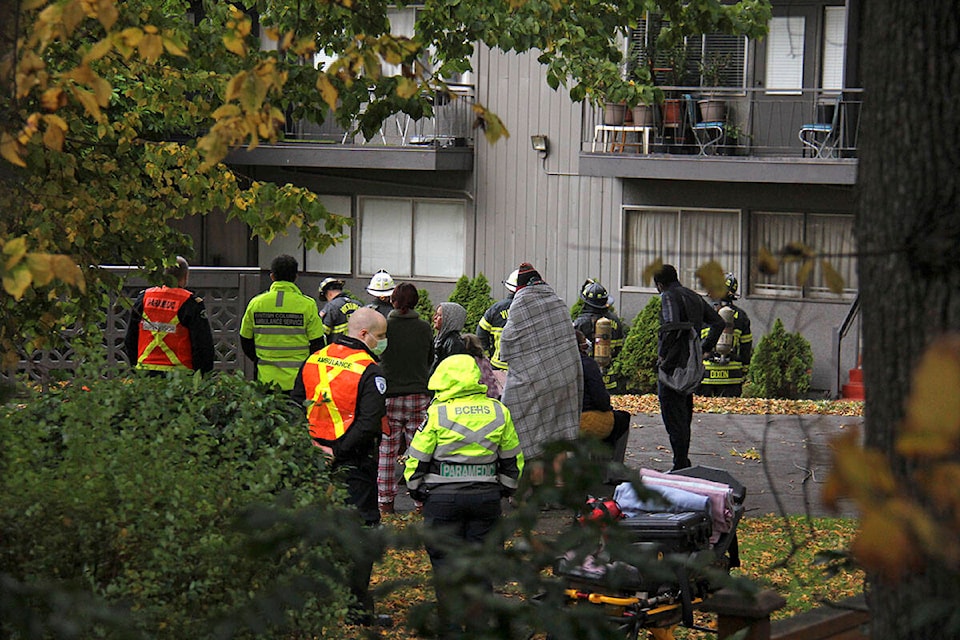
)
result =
(712, 108)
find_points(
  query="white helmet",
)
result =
(511, 282)
(381, 284)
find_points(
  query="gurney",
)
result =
(687, 544)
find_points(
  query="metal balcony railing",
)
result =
(755, 122)
(450, 125)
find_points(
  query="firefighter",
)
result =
(343, 391)
(381, 287)
(281, 326)
(462, 460)
(490, 327)
(335, 307)
(726, 366)
(598, 304)
(167, 328)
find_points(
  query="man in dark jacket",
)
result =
(680, 308)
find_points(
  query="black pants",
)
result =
(721, 390)
(360, 477)
(676, 409)
(465, 518)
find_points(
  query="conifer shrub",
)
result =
(781, 366)
(425, 307)
(175, 500)
(473, 294)
(636, 363)
(576, 308)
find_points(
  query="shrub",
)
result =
(781, 365)
(636, 363)
(132, 490)
(474, 296)
(425, 307)
(575, 309)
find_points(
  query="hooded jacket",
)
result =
(448, 341)
(468, 442)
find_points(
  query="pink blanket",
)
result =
(719, 494)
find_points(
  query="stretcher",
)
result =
(632, 599)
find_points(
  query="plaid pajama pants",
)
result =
(405, 415)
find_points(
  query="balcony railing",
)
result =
(450, 125)
(757, 123)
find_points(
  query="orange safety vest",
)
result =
(331, 380)
(164, 343)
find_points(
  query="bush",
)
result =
(132, 490)
(637, 362)
(425, 307)
(474, 296)
(781, 365)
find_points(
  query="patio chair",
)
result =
(709, 135)
(821, 138)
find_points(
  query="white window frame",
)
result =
(636, 259)
(783, 284)
(414, 241)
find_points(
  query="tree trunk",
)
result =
(908, 233)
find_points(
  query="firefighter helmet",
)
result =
(593, 294)
(381, 284)
(511, 282)
(730, 281)
(330, 283)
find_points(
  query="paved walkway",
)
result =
(783, 461)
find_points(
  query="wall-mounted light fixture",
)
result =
(541, 144)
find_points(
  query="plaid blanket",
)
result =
(544, 387)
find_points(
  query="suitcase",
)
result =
(684, 532)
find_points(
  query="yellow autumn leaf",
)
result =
(650, 270)
(933, 406)
(10, 150)
(939, 483)
(53, 98)
(89, 102)
(832, 277)
(151, 47)
(132, 36)
(98, 50)
(226, 111)
(713, 279)
(174, 48)
(804, 273)
(66, 270)
(406, 87)
(16, 282)
(14, 249)
(766, 263)
(53, 119)
(884, 545)
(857, 473)
(73, 15)
(235, 44)
(40, 266)
(328, 92)
(234, 85)
(287, 41)
(107, 13)
(53, 138)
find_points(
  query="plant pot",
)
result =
(712, 110)
(614, 113)
(671, 112)
(642, 115)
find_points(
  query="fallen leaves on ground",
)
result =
(648, 403)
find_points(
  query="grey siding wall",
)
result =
(566, 225)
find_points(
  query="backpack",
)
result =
(686, 376)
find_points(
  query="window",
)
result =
(685, 238)
(728, 50)
(785, 55)
(335, 260)
(413, 237)
(834, 47)
(831, 236)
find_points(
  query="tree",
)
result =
(908, 236)
(117, 116)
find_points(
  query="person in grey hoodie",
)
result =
(448, 321)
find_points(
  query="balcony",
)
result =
(441, 142)
(758, 139)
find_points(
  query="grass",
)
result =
(776, 553)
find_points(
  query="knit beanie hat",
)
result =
(527, 275)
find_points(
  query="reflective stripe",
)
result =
(279, 331)
(469, 436)
(331, 416)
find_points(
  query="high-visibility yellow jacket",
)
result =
(468, 438)
(282, 323)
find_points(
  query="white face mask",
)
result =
(381, 347)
